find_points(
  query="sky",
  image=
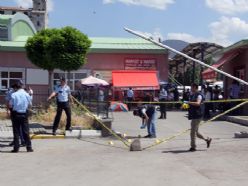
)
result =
(220, 21)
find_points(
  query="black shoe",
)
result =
(208, 142)
(11, 144)
(153, 136)
(160, 118)
(147, 136)
(54, 133)
(23, 144)
(15, 151)
(30, 150)
(69, 129)
(192, 149)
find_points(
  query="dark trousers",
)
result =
(60, 107)
(129, 105)
(21, 131)
(162, 109)
(20, 122)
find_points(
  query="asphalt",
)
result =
(91, 161)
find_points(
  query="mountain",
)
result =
(175, 44)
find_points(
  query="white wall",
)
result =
(36, 77)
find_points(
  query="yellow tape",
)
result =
(180, 102)
(46, 136)
(185, 131)
(99, 121)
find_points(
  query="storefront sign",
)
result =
(140, 64)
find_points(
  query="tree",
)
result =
(64, 49)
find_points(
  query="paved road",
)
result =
(91, 162)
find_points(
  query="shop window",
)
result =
(74, 77)
(15, 75)
(9, 77)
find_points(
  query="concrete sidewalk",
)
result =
(91, 161)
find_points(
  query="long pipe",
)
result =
(184, 55)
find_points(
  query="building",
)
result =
(233, 60)
(105, 55)
(38, 13)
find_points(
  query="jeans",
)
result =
(151, 125)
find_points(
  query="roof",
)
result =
(239, 45)
(137, 79)
(123, 45)
(14, 8)
(100, 45)
(210, 73)
(194, 50)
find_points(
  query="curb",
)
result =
(236, 119)
(46, 136)
(68, 134)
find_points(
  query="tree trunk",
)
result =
(69, 79)
(50, 80)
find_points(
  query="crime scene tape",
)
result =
(177, 102)
(126, 143)
(159, 141)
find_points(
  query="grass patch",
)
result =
(78, 117)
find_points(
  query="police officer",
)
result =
(195, 115)
(9, 111)
(63, 94)
(148, 115)
(19, 102)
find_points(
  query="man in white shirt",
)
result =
(130, 96)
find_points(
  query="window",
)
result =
(38, 23)
(3, 33)
(9, 77)
(74, 77)
(1, 12)
(13, 12)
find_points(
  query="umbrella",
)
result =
(93, 81)
(117, 106)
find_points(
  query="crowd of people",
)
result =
(19, 100)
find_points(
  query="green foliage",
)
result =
(63, 49)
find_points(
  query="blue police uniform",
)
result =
(8, 98)
(19, 102)
(63, 93)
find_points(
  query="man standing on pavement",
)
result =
(130, 96)
(9, 111)
(162, 98)
(195, 115)
(63, 94)
(20, 102)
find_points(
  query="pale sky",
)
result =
(221, 21)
